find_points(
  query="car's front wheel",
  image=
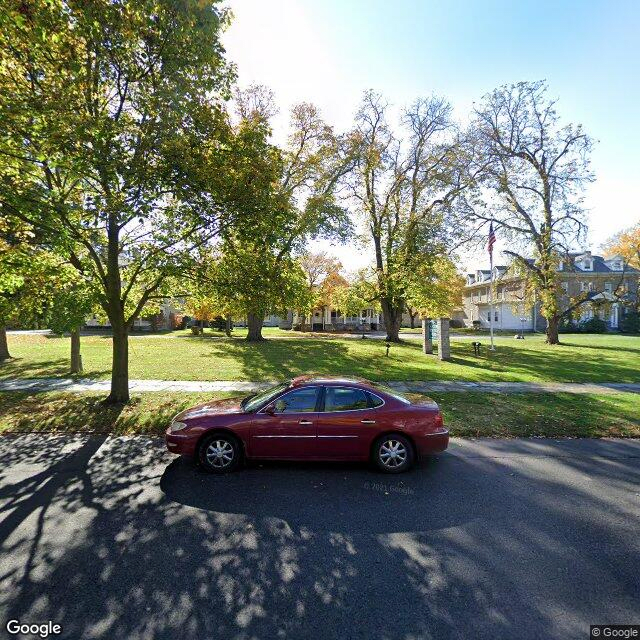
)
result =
(220, 453)
(393, 454)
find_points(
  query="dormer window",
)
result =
(617, 265)
(587, 264)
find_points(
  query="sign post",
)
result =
(444, 346)
(427, 336)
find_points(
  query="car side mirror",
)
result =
(270, 410)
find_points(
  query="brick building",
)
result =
(611, 285)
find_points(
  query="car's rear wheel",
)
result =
(220, 453)
(393, 453)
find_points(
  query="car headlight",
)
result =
(177, 426)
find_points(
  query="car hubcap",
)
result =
(220, 453)
(393, 453)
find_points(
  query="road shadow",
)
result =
(352, 498)
(110, 541)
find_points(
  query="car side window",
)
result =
(345, 399)
(374, 401)
(299, 401)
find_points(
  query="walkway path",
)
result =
(82, 385)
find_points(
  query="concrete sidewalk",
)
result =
(87, 385)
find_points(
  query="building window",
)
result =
(587, 265)
(591, 288)
(617, 265)
(488, 316)
(607, 287)
(583, 286)
(495, 317)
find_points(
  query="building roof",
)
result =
(599, 265)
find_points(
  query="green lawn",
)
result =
(57, 412)
(182, 356)
(541, 414)
(466, 414)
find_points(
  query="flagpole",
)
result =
(491, 315)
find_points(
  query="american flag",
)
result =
(492, 239)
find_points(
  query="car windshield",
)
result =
(391, 392)
(254, 402)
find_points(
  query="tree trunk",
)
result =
(392, 316)
(254, 325)
(228, 326)
(4, 347)
(120, 367)
(412, 317)
(76, 357)
(552, 330)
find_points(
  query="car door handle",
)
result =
(368, 421)
(305, 422)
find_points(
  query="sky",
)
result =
(330, 51)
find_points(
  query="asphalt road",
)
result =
(114, 538)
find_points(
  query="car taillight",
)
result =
(438, 421)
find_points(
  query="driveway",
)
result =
(114, 538)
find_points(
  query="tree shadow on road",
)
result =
(110, 542)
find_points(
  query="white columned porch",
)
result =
(614, 316)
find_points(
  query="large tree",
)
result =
(319, 268)
(73, 301)
(353, 296)
(434, 287)
(406, 186)
(114, 142)
(249, 281)
(300, 205)
(535, 170)
(28, 278)
(626, 244)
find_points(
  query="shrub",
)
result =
(592, 325)
(567, 325)
(630, 322)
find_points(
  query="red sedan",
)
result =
(311, 419)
